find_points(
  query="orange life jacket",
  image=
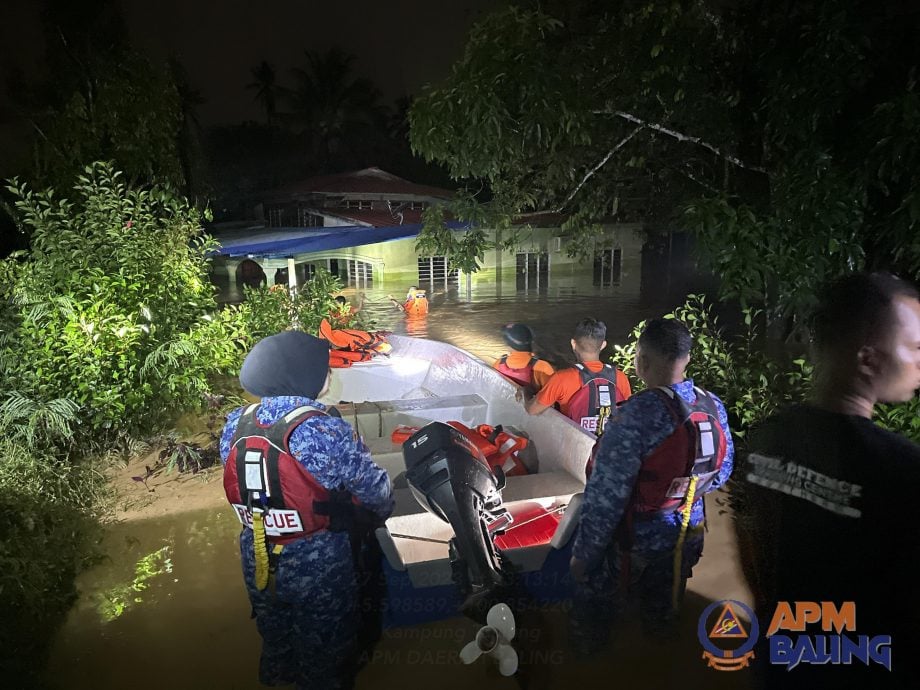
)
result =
(350, 345)
(416, 306)
(341, 359)
(499, 447)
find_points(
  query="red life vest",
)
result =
(262, 474)
(523, 376)
(598, 393)
(696, 448)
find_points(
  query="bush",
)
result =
(750, 383)
(108, 330)
(112, 314)
(47, 536)
(275, 309)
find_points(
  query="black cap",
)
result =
(288, 363)
(518, 336)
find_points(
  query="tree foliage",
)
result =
(109, 331)
(334, 108)
(783, 133)
(109, 317)
(96, 98)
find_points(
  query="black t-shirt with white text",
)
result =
(831, 501)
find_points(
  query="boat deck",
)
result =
(424, 381)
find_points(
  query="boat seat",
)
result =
(540, 485)
(375, 421)
(422, 548)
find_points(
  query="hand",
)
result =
(579, 570)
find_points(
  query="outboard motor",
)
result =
(451, 479)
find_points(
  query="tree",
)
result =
(128, 112)
(266, 88)
(783, 133)
(101, 100)
(338, 112)
(189, 138)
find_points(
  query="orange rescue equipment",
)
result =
(416, 303)
(499, 447)
(350, 345)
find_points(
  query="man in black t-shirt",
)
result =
(833, 497)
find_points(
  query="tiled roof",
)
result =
(366, 181)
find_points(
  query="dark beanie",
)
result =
(288, 363)
(518, 336)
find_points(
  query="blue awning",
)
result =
(283, 242)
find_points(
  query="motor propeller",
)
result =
(494, 639)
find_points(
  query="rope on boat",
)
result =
(513, 526)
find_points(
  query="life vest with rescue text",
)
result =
(696, 448)
(262, 475)
(596, 398)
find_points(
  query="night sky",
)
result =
(399, 45)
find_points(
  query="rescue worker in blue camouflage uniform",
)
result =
(642, 519)
(297, 476)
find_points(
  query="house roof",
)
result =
(375, 218)
(366, 181)
(284, 242)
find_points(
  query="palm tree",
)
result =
(191, 157)
(334, 108)
(266, 88)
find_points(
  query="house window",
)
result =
(276, 217)
(532, 270)
(432, 270)
(359, 272)
(359, 205)
(608, 267)
(417, 205)
(306, 272)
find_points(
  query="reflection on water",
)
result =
(473, 320)
(169, 607)
(118, 599)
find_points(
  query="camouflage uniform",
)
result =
(635, 430)
(308, 623)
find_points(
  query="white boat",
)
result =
(423, 381)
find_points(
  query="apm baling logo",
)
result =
(728, 646)
(831, 645)
(823, 634)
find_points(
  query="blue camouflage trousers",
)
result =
(599, 602)
(308, 616)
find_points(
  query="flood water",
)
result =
(168, 609)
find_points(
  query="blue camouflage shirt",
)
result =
(329, 450)
(630, 436)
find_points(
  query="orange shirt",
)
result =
(565, 383)
(542, 370)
